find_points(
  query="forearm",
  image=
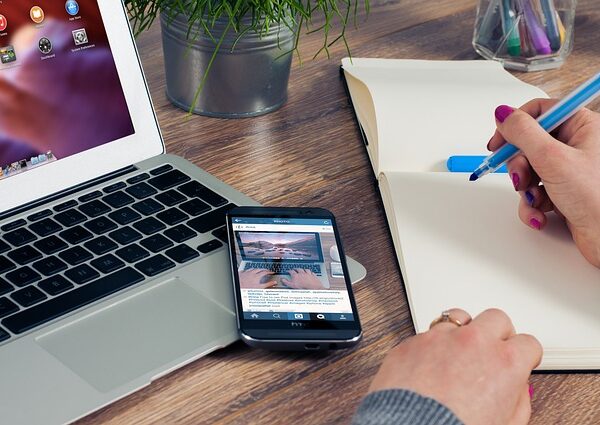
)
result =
(402, 407)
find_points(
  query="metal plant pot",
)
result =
(245, 80)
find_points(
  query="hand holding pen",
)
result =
(555, 173)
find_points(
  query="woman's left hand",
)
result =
(479, 370)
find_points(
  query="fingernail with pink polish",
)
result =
(535, 223)
(530, 390)
(515, 180)
(502, 112)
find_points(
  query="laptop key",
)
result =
(181, 253)
(132, 253)
(72, 300)
(168, 180)
(107, 263)
(161, 169)
(94, 208)
(211, 220)
(3, 335)
(149, 225)
(24, 255)
(5, 287)
(76, 235)
(49, 265)
(114, 187)
(209, 246)
(82, 274)
(100, 225)
(221, 233)
(70, 217)
(39, 215)
(65, 205)
(13, 225)
(118, 199)
(180, 233)
(23, 276)
(45, 227)
(156, 243)
(75, 255)
(194, 189)
(50, 245)
(55, 285)
(141, 190)
(195, 207)
(6, 264)
(148, 206)
(100, 245)
(138, 178)
(19, 237)
(170, 197)
(7, 307)
(125, 235)
(155, 265)
(89, 196)
(28, 296)
(172, 216)
(4, 246)
(124, 215)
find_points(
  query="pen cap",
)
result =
(526, 35)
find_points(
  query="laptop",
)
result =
(281, 253)
(113, 264)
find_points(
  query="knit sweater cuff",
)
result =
(402, 407)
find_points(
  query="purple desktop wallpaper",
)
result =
(59, 87)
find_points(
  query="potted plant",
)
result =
(232, 58)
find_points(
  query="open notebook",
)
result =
(460, 243)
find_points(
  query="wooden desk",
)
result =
(309, 153)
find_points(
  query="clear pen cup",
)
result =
(526, 35)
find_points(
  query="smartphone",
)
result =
(286, 292)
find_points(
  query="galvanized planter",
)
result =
(245, 80)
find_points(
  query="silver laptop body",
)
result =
(85, 319)
(114, 269)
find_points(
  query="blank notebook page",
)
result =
(463, 245)
(427, 111)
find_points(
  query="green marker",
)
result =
(510, 29)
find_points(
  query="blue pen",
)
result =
(552, 30)
(554, 117)
(468, 164)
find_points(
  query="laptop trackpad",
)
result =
(138, 335)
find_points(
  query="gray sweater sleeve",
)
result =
(402, 407)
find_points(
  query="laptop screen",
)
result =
(280, 246)
(60, 92)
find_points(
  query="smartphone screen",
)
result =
(290, 274)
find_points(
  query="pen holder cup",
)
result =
(526, 35)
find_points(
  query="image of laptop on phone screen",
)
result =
(283, 254)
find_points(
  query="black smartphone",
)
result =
(290, 279)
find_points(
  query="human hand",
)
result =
(480, 370)
(256, 279)
(302, 279)
(559, 172)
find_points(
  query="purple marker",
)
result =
(536, 31)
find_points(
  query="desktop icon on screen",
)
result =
(3, 22)
(7, 54)
(72, 7)
(80, 36)
(45, 45)
(36, 14)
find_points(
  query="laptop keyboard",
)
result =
(283, 268)
(80, 251)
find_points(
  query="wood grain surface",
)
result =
(309, 153)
